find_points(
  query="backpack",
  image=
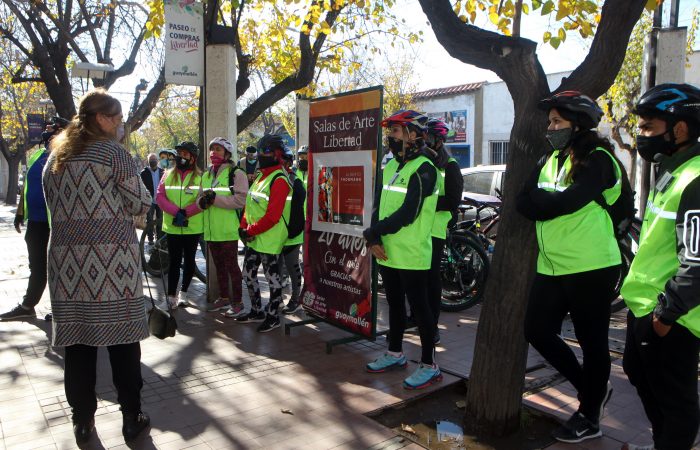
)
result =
(622, 211)
(297, 218)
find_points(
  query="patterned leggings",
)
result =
(290, 256)
(225, 256)
(272, 274)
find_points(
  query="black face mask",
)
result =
(649, 147)
(153, 164)
(266, 161)
(560, 139)
(396, 147)
(303, 165)
(182, 163)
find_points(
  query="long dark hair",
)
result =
(583, 144)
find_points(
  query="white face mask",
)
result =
(120, 132)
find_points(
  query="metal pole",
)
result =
(651, 82)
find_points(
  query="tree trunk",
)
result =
(500, 351)
(496, 381)
(12, 179)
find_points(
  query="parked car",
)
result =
(485, 184)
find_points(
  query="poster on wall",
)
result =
(184, 42)
(456, 121)
(344, 145)
(35, 126)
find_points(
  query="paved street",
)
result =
(218, 384)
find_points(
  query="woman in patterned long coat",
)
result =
(92, 191)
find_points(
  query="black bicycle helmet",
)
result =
(672, 101)
(251, 149)
(574, 106)
(189, 146)
(269, 143)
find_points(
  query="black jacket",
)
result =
(420, 185)
(682, 291)
(148, 180)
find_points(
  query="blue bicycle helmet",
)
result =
(672, 102)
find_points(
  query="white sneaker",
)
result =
(172, 300)
(183, 300)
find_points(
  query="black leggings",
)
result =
(80, 378)
(435, 279)
(177, 245)
(400, 284)
(586, 296)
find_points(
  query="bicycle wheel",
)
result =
(154, 257)
(627, 256)
(200, 261)
(464, 268)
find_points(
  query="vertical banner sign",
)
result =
(344, 147)
(35, 126)
(184, 42)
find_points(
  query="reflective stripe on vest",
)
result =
(220, 224)
(272, 240)
(656, 260)
(410, 247)
(182, 193)
(583, 240)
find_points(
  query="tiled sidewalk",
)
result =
(218, 384)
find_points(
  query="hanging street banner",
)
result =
(35, 126)
(184, 42)
(344, 146)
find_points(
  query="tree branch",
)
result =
(10, 37)
(127, 66)
(91, 29)
(293, 82)
(149, 102)
(598, 71)
(61, 28)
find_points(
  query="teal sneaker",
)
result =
(423, 377)
(387, 362)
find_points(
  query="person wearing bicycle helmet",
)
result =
(264, 229)
(578, 263)
(399, 239)
(662, 289)
(222, 198)
(182, 219)
(303, 164)
(450, 184)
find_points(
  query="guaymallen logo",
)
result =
(359, 321)
(184, 72)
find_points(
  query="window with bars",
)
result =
(499, 151)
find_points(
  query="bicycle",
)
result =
(465, 263)
(628, 248)
(155, 258)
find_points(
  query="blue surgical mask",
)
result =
(164, 163)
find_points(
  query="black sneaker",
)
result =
(253, 316)
(134, 424)
(577, 429)
(269, 324)
(19, 312)
(292, 307)
(83, 431)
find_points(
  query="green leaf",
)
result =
(554, 42)
(548, 7)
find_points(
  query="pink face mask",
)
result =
(216, 160)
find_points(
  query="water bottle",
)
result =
(489, 251)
